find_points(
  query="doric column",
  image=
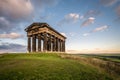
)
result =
(29, 44)
(34, 44)
(45, 42)
(60, 45)
(63, 46)
(50, 41)
(47, 49)
(54, 44)
(39, 42)
(57, 44)
(47, 46)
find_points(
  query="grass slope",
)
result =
(46, 67)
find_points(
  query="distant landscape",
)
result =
(53, 66)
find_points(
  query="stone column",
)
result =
(57, 44)
(54, 44)
(63, 46)
(29, 44)
(50, 41)
(47, 46)
(39, 42)
(45, 42)
(33, 43)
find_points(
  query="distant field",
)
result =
(42, 66)
(111, 57)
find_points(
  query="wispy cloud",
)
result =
(40, 6)
(102, 28)
(92, 13)
(71, 34)
(11, 36)
(4, 24)
(89, 21)
(108, 2)
(69, 18)
(98, 29)
(86, 34)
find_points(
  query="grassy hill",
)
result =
(48, 67)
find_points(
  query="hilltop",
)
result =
(46, 66)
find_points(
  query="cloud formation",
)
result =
(15, 10)
(11, 36)
(108, 2)
(12, 13)
(11, 47)
(89, 21)
(69, 18)
(102, 28)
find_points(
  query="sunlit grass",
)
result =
(47, 67)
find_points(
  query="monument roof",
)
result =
(38, 24)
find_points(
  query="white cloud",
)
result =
(108, 2)
(72, 34)
(11, 35)
(72, 17)
(89, 21)
(64, 34)
(86, 34)
(102, 28)
(69, 18)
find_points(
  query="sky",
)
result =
(91, 26)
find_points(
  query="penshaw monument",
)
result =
(43, 38)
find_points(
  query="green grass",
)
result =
(47, 67)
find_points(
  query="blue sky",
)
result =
(91, 26)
